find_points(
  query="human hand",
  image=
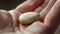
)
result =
(50, 24)
(45, 25)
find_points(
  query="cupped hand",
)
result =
(49, 11)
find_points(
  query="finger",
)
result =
(40, 8)
(6, 24)
(15, 16)
(23, 7)
(44, 12)
(52, 19)
(29, 5)
(36, 28)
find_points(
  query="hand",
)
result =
(48, 20)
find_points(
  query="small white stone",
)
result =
(28, 17)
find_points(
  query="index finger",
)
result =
(29, 5)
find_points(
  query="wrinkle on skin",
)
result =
(40, 8)
(5, 22)
(52, 19)
(29, 5)
(44, 12)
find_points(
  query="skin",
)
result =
(15, 17)
(5, 21)
(52, 19)
(29, 5)
(48, 25)
(32, 4)
(36, 28)
(40, 8)
(44, 12)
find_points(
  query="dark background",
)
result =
(9, 4)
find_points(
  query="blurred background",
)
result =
(11, 4)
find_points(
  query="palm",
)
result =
(45, 25)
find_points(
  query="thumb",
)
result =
(36, 28)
